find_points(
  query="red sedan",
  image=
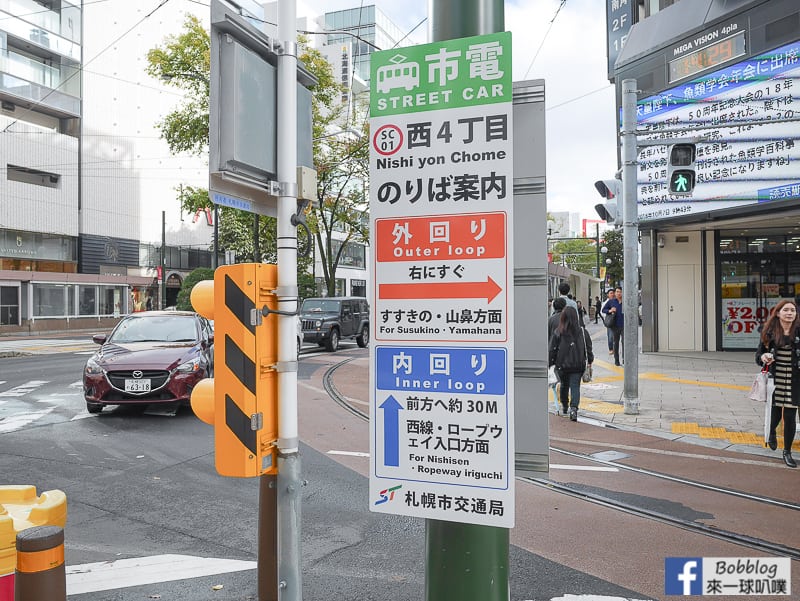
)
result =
(150, 357)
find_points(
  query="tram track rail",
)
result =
(744, 540)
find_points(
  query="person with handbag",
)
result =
(779, 350)
(570, 350)
(609, 329)
(552, 323)
(614, 306)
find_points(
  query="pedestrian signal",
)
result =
(681, 173)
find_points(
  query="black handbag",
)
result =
(587, 372)
(609, 320)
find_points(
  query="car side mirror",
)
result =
(99, 338)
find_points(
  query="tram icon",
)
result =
(398, 75)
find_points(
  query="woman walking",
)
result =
(780, 350)
(570, 350)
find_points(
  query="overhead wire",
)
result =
(533, 60)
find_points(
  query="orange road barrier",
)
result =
(8, 557)
(20, 509)
(40, 572)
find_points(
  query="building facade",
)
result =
(722, 75)
(90, 221)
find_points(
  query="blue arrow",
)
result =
(391, 431)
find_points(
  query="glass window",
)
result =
(87, 300)
(49, 300)
(111, 300)
(318, 305)
(358, 287)
(756, 270)
(354, 255)
(9, 306)
(156, 328)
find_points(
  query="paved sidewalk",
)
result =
(697, 397)
(12, 347)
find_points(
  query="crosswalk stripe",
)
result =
(139, 571)
(25, 388)
(15, 422)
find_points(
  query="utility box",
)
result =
(243, 114)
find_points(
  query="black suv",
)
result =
(328, 320)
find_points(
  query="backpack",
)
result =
(570, 356)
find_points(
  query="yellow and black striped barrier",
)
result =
(241, 400)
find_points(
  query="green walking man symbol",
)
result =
(681, 183)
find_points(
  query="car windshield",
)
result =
(320, 305)
(156, 328)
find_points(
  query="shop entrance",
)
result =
(756, 271)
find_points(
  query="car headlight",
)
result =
(318, 323)
(92, 368)
(190, 366)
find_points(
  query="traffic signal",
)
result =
(681, 168)
(611, 190)
(241, 400)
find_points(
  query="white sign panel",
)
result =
(440, 204)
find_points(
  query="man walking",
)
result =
(597, 306)
(563, 290)
(614, 305)
(609, 331)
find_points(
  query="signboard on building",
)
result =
(441, 200)
(747, 113)
(619, 19)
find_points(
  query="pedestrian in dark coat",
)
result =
(570, 350)
(614, 305)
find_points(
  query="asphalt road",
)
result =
(142, 486)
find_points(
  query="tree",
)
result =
(183, 61)
(184, 302)
(341, 218)
(579, 254)
(615, 270)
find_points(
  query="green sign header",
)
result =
(443, 75)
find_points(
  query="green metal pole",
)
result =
(465, 562)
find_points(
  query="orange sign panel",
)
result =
(441, 237)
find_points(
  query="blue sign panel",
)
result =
(231, 201)
(442, 370)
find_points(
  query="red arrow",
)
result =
(488, 290)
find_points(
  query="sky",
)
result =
(567, 48)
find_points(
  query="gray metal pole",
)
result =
(630, 234)
(597, 253)
(256, 242)
(453, 19)
(289, 483)
(215, 255)
(163, 259)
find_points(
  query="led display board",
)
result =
(749, 116)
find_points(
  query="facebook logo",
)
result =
(683, 575)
